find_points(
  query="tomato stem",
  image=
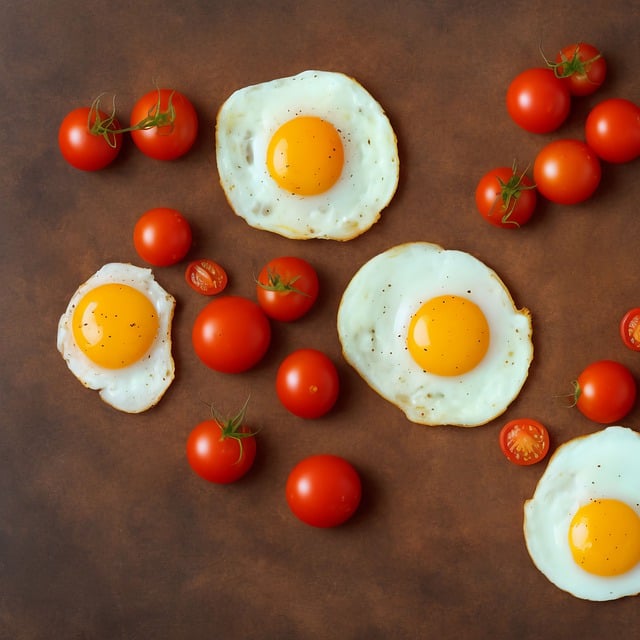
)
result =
(156, 117)
(275, 282)
(569, 66)
(509, 194)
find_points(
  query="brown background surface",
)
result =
(104, 530)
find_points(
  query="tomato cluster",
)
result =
(163, 125)
(566, 171)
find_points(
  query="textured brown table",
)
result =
(104, 530)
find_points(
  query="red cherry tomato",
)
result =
(524, 441)
(581, 67)
(612, 130)
(307, 383)
(231, 334)
(505, 197)
(85, 139)
(605, 391)
(206, 277)
(537, 101)
(162, 236)
(222, 451)
(287, 288)
(169, 121)
(566, 171)
(323, 490)
(630, 329)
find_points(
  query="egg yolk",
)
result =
(604, 537)
(448, 336)
(305, 156)
(115, 325)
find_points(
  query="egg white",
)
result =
(250, 116)
(138, 387)
(374, 316)
(603, 464)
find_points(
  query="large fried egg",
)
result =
(307, 156)
(582, 525)
(115, 336)
(436, 333)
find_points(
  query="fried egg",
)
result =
(115, 336)
(582, 525)
(436, 333)
(307, 156)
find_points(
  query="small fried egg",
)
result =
(307, 156)
(582, 525)
(436, 333)
(115, 336)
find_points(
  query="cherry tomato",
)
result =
(206, 277)
(630, 329)
(307, 383)
(287, 288)
(581, 67)
(605, 391)
(220, 450)
(231, 334)
(323, 490)
(612, 130)
(537, 101)
(85, 139)
(162, 236)
(566, 171)
(166, 124)
(524, 441)
(505, 197)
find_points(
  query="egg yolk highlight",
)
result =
(305, 156)
(604, 537)
(115, 325)
(448, 336)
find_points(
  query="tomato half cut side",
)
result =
(630, 329)
(206, 277)
(524, 441)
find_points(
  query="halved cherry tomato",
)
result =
(524, 441)
(206, 277)
(581, 67)
(630, 329)
(605, 391)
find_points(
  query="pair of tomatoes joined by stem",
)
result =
(323, 490)
(605, 391)
(505, 197)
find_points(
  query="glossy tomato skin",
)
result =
(307, 383)
(206, 277)
(630, 329)
(170, 141)
(605, 391)
(217, 458)
(566, 171)
(287, 288)
(505, 198)
(537, 101)
(231, 334)
(162, 236)
(83, 149)
(612, 130)
(323, 490)
(582, 68)
(524, 441)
